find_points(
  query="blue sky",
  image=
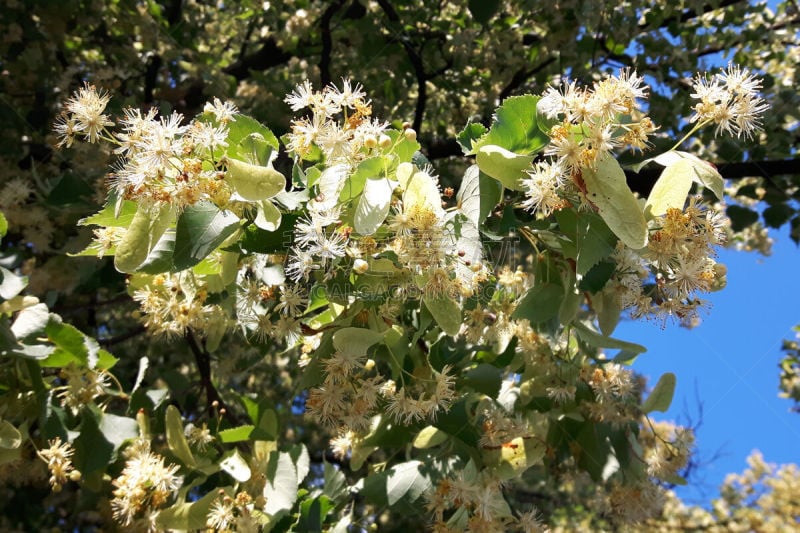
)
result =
(729, 364)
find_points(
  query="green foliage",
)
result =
(454, 368)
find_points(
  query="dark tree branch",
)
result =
(122, 337)
(267, 56)
(690, 14)
(203, 360)
(522, 76)
(643, 181)
(327, 42)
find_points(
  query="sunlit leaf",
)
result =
(503, 165)
(607, 189)
(428, 437)
(514, 126)
(373, 205)
(235, 465)
(670, 189)
(254, 182)
(10, 437)
(268, 216)
(141, 236)
(280, 489)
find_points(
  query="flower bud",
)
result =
(410, 134)
(360, 266)
(384, 141)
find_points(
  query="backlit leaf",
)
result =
(670, 189)
(503, 165)
(253, 182)
(141, 236)
(661, 397)
(607, 189)
(373, 205)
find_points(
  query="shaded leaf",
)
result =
(540, 303)
(175, 437)
(661, 397)
(593, 338)
(201, 228)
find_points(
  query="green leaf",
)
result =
(373, 205)
(484, 378)
(31, 321)
(776, 216)
(175, 437)
(268, 216)
(160, 258)
(118, 429)
(540, 303)
(741, 217)
(93, 451)
(107, 216)
(594, 242)
(370, 168)
(257, 240)
(302, 461)
(237, 434)
(706, 174)
(3, 225)
(607, 189)
(483, 10)
(355, 341)
(184, 516)
(313, 513)
(478, 195)
(593, 338)
(201, 228)
(253, 182)
(241, 127)
(446, 312)
(514, 127)
(235, 465)
(597, 277)
(70, 340)
(10, 437)
(141, 236)
(671, 188)
(335, 482)
(661, 397)
(503, 165)
(280, 489)
(429, 437)
(403, 481)
(516, 456)
(469, 135)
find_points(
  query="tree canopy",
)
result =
(358, 264)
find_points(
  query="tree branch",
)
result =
(268, 56)
(327, 42)
(203, 360)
